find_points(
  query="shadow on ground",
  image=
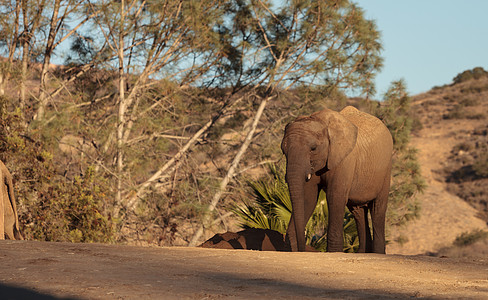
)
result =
(8, 292)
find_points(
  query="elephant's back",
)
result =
(373, 153)
(362, 119)
(370, 128)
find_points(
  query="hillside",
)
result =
(452, 140)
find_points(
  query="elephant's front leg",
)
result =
(335, 229)
(311, 192)
(337, 191)
(2, 209)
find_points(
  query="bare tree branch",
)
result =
(230, 173)
(143, 188)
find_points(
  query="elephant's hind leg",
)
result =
(360, 214)
(378, 215)
(3, 202)
(378, 212)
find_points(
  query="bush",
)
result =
(464, 146)
(468, 238)
(407, 180)
(467, 75)
(70, 211)
(52, 207)
(457, 112)
(480, 165)
(469, 102)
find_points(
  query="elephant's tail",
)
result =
(11, 196)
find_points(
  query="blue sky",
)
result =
(428, 42)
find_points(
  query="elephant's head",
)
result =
(314, 145)
(317, 143)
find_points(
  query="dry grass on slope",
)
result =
(452, 139)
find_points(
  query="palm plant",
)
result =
(270, 208)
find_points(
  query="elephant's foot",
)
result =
(331, 247)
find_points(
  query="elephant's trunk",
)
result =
(298, 171)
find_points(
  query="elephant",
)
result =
(9, 222)
(348, 154)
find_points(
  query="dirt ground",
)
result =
(40, 270)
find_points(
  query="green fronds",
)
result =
(254, 217)
(407, 179)
(271, 208)
(351, 238)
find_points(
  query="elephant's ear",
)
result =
(342, 139)
(284, 146)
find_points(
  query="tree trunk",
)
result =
(230, 174)
(23, 80)
(142, 190)
(12, 46)
(43, 94)
(121, 113)
(2, 80)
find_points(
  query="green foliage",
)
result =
(52, 207)
(394, 112)
(271, 206)
(467, 75)
(406, 183)
(402, 239)
(469, 101)
(271, 209)
(71, 211)
(475, 88)
(464, 146)
(469, 238)
(458, 112)
(407, 180)
(480, 165)
(329, 43)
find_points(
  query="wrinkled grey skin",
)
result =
(348, 155)
(9, 222)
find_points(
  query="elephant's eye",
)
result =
(313, 148)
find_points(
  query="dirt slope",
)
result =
(40, 270)
(444, 216)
